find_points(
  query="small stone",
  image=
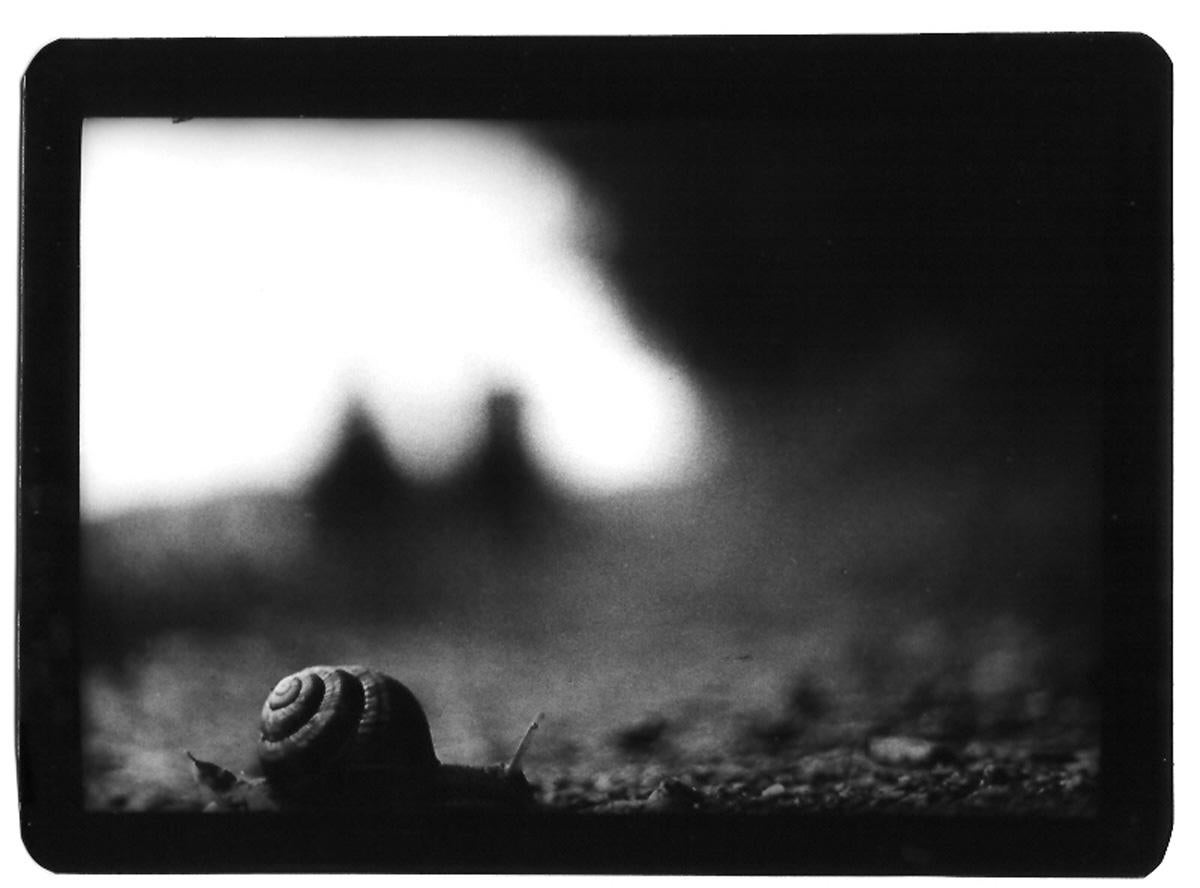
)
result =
(977, 749)
(1072, 782)
(674, 795)
(775, 789)
(906, 751)
(995, 775)
(651, 775)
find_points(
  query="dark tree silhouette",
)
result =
(502, 482)
(360, 482)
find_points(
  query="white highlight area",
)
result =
(241, 280)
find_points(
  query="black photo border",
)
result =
(1123, 78)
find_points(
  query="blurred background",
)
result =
(701, 437)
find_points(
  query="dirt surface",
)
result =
(992, 780)
(1004, 779)
(933, 750)
(829, 647)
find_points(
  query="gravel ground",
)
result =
(1049, 768)
(753, 734)
(920, 778)
(984, 779)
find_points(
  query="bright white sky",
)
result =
(240, 280)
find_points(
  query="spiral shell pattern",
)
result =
(330, 725)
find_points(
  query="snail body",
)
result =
(348, 736)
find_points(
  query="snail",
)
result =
(348, 736)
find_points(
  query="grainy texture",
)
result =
(796, 603)
(844, 780)
(1026, 752)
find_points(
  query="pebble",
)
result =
(977, 749)
(995, 775)
(906, 751)
(775, 789)
(674, 795)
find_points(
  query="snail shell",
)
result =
(346, 732)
